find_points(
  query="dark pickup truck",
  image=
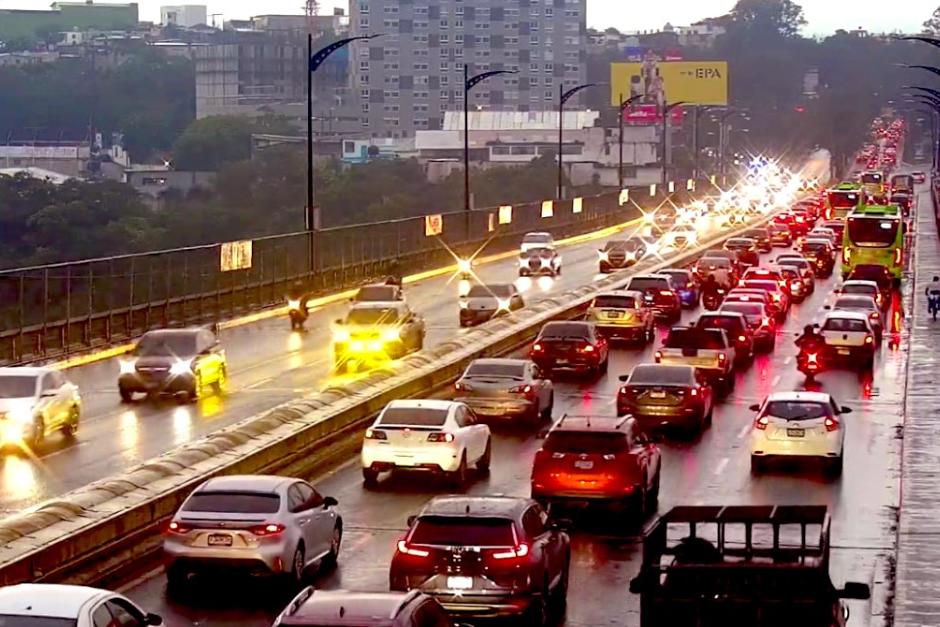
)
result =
(760, 566)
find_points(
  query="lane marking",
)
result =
(140, 580)
(721, 465)
(775, 382)
(744, 431)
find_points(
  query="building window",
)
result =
(445, 24)
(549, 94)
(549, 12)
(364, 8)
(364, 94)
(363, 79)
(365, 107)
(364, 22)
(363, 66)
(445, 80)
(445, 39)
(458, 11)
(458, 39)
(421, 10)
(534, 81)
(445, 66)
(458, 23)
(392, 8)
(533, 40)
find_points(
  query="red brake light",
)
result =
(588, 349)
(761, 423)
(440, 436)
(741, 338)
(658, 355)
(409, 550)
(536, 348)
(665, 293)
(721, 358)
(516, 552)
(521, 389)
(175, 527)
(831, 424)
(267, 530)
(869, 339)
(875, 315)
(897, 256)
(693, 392)
(375, 434)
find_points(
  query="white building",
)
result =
(183, 15)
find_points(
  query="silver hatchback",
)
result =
(254, 524)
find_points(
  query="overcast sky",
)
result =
(824, 16)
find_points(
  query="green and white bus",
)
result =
(874, 235)
(843, 199)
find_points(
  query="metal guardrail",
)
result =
(60, 309)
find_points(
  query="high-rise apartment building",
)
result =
(410, 76)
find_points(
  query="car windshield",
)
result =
(537, 238)
(372, 315)
(560, 330)
(13, 620)
(17, 386)
(694, 338)
(653, 374)
(585, 442)
(796, 410)
(873, 232)
(641, 284)
(233, 502)
(497, 369)
(413, 417)
(463, 531)
(166, 344)
(494, 291)
(377, 293)
(679, 278)
(872, 178)
(844, 324)
(715, 262)
(614, 302)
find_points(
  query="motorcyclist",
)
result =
(393, 270)
(810, 339)
(297, 296)
(710, 285)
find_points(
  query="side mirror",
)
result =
(828, 307)
(855, 590)
(338, 322)
(541, 435)
(330, 501)
(754, 407)
(845, 410)
(153, 619)
(636, 585)
(412, 520)
(624, 377)
(815, 325)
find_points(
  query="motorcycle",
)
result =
(298, 314)
(810, 363)
(712, 300)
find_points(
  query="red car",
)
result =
(570, 345)
(597, 461)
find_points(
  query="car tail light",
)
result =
(796, 285)
(463, 387)
(721, 358)
(537, 348)
(761, 423)
(693, 391)
(521, 389)
(375, 434)
(518, 551)
(587, 349)
(897, 256)
(177, 528)
(440, 436)
(666, 293)
(405, 549)
(658, 355)
(869, 339)
(775, 296)
(875, 315)
(267, 530)
(765, 322)
(742, 338)
(831, 424)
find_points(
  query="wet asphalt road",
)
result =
(712, 470)
(267, 365)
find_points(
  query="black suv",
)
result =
(485, 556)
(735, 325)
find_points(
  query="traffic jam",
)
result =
(693, 333)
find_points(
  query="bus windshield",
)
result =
(872, 178)
(843, 200)
(873, 232)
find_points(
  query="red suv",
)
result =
(606, 462)
(570, 346)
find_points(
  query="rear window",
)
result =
(748, 309)
(854, 302)
(559, 330)
(376, 293)
(497, 291)
(694, 338)
(859, 289)
(510, 370)
(614, 302)
(766, 286)
(585, 442)
(661, 375)
(815, 246)
(413, 417)
(796, 410)
(10, 620)
(451, 531)
(739, 243)
(844, 324)
(641, 284)
(372, 316)
(757, 234)
(679, 279)
(715, 262)
(728, 323)
(537, 238)
(17, 386)
(233, 502)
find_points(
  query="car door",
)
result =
(471, 431)
(543, 542)
(58, 399)
(543, 385)
(48, 401)
(320, 520)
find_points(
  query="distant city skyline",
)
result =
(823, 16)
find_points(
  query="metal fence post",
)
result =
(67, 334)
(45, 308)
(132, 278)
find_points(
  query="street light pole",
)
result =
(563, 97)
(624, 105)
(722, 138)
(667, 108)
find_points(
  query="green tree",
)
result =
(783, 17)
(932, 24)
(211, 142)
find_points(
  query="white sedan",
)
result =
(55, 605)
(798, 425)
(35, 403)
(426, 435)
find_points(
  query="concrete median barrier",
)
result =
(90, 535)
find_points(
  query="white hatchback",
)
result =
(426, 435)
(56, 605)
(849, 338)
(798, 425)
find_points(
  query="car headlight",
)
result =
(128, 366)
(340, 335)
(464, 266)
(181, 367)
(502, 305)
(293, 304)
(391, 335)
(463, 304)
(22, 415)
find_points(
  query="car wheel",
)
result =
(650, 335)
(652, 495)
(370, 477)
(71, 426)
(757, 464)
(196, 392)
(297, 567)
(549, 408)
(329, 561)
(560, 593)
(730, 383)
(126, 395)
(459, 476)
(483, 464)
(38, 435)
(835, 466)
(176, 580)
(537, 613)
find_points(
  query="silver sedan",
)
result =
(255, 524)
(506, 389)
(862, 304)
(484, 302)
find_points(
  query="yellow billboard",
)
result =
(694, 82)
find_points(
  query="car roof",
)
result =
(499, 361)
(386, 285)
(340, 607)
(477, 506)
(671, 271)
(816, 397)
(246, 483)
(620, 294)
(174, 332)
(721, 314)
(49, 600)
(415, 403)
(603, 424)
(537, 234)
(24, 371)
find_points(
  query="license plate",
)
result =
(843, 351)
(220, 539)
(796, 433)
(584, 465)
(561, 362)
(656, 394)
(460, 583)
(613, 314)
